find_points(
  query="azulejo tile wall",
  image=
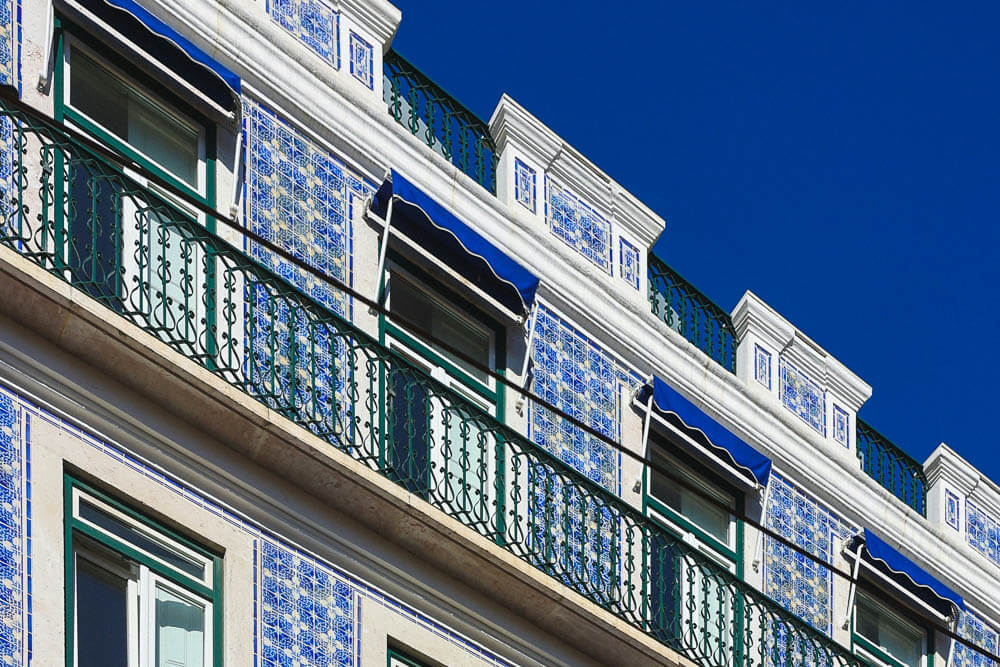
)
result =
(362, 61)
(762, 366)
(578, 377)
(982, 531)
(952, 510)
(576, 223)
(524, 185)
(799, 584)
(841, 426)
(975, 630)
(301, 198)
(314, 22)
(15, 546)
(306, 611)
(803, 396)
(10, 39)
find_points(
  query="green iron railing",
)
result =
(77, 216)
(691, 314)
(439, 120)
(890, 466)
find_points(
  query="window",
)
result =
(132, 247)
(440, 442)
(688, 598)
(397, 658)
(884, 637)
(140, 595)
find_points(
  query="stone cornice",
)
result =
(379, 17)
(945, 464)
(512, 125)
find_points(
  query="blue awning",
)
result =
(907, 574)
(171, 48)
(442, 234)
(686, 416)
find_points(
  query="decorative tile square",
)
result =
(799, 584)
(313, 22)
(974, 629)
(524, 185)
(803, 397)
(574, 374)
(982, 531)
(841, 426)
(576, 223)
(362, 61)
(307, 612)
(762, 366)
(629, 264)
(952, 510)
(10, 37)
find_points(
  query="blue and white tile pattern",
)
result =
(841, 426)
(629, 264)
(10, 37)
(524, 185)
(803, 396)
(577, 376)
(975, 630)
(362, 61)
(762, 366)
(579, 225)
(799, 584)
(313, 22)
(982, 531)
(14, 537)
(952, 510)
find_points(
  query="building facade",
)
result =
(302, 363)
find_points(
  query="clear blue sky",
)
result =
(842, 161)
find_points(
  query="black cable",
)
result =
(9, 96)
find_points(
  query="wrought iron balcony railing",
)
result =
(439, 120)
(691, 314)
(78, 216)
(891, 467)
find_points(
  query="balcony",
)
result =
(439, 120)
(890, 466)
(71, 211)
(691, 314)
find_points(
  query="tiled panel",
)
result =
(301, 198)
(15, 553)
(362, 61)
(313, 22)
(306, 612)
(983, 531)
(629, 264)
(10, 38)
(577, 376)
(841, 426)
(762, 366)
(524, 185)
(952, 510)
(578, 224)
(803, 397)
(973, 629)
(796, 582)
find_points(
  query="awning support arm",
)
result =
(383, 251)
(532, 318)
(238, 175)
(951, 646)
(46, 73)
(852, 591)
(759, 547)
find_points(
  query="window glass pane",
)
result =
(101, 617)
(713, 520)
(132, 535)
(133, 118)
(700, 511)
(180, 631)
(898, 639)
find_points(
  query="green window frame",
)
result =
(394, 657)
(871, 650)
(82, 536)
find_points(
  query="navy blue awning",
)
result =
(442, 234)
(171, 48)
(689, 418)
(907, 574)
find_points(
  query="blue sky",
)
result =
(841, 161)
